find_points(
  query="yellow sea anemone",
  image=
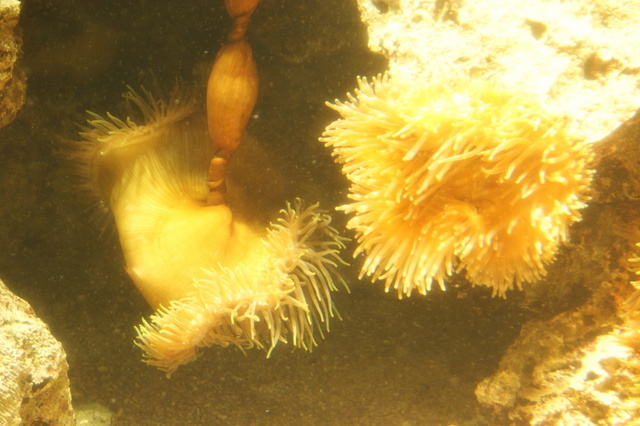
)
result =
(456, 176)
(213, 278)
(214, 274)
(280, 288)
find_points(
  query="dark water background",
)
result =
(389, 362)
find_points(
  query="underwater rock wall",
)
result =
(34, 387)
(558, 371)
(13, 84)
(579, 58)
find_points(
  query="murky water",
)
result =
(412, 362)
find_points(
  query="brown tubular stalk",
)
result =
(232, 91)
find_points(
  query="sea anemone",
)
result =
(281, 288)
(213, 278)
(214, 274)
(456, 176)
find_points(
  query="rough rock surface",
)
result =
(13, 82)
(34, 387)
(570, 369)
(579, 58)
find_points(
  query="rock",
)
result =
(499, 391)
(579, 58)
(94, 415)
(13, 82)
(34, 386)
(570, 369)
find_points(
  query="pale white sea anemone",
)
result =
(456, 176)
